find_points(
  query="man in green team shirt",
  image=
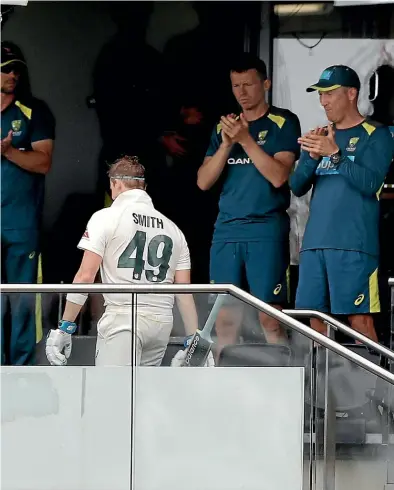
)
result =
(251, 155)
(346, 163)
(27, 136)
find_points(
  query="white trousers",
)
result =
(114, 337)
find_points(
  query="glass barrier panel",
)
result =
(328, 419)
(239, 422)
(65, 427)
(354, 419)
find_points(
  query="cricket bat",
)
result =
(201, 343)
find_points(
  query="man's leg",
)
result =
(226, 265)
(312, 291)
(114, 349)
(318, 325)
(365, 325)
(267, 275)
(154, 332)
(21, 268)
(353, 282)
(228, 323)
(114, 340)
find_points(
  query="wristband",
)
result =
(67, 327)
(187, 341)
(78, 299)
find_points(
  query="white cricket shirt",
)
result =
(138, 245)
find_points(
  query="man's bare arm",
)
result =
(38, 160)
(212, 167)
(86, 275)
(186, 305)
(275, 169)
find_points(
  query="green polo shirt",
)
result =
(22, 192)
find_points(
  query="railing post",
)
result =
(329, 424)
(313, 422)
(133, 367)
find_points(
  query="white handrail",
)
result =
(117, 288)
(342, 328)
(207, 288)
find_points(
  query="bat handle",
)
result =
(213, 315)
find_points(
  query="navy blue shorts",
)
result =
(264, 265)
(342, 282)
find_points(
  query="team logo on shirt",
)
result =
(16, 126)
(352, 144)
(262, 137)
(239, 161)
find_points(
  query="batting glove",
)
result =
(179, 359)
(59, 344)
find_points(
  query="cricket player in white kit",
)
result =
(131, 243)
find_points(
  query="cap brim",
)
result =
(322, 88)
(12, 61)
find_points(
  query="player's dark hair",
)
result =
(248, 61)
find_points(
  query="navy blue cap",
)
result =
(334, 77)
(10, 55)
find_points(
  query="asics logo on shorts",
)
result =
(278, 289)
(360, 298)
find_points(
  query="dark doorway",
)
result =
(382, 84)
(162, 106)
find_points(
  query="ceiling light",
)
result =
(21, 3)
(309, 8)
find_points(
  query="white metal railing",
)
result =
(205, 288)
(337, 325)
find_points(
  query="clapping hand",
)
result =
(318, 144)
(236, 130)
